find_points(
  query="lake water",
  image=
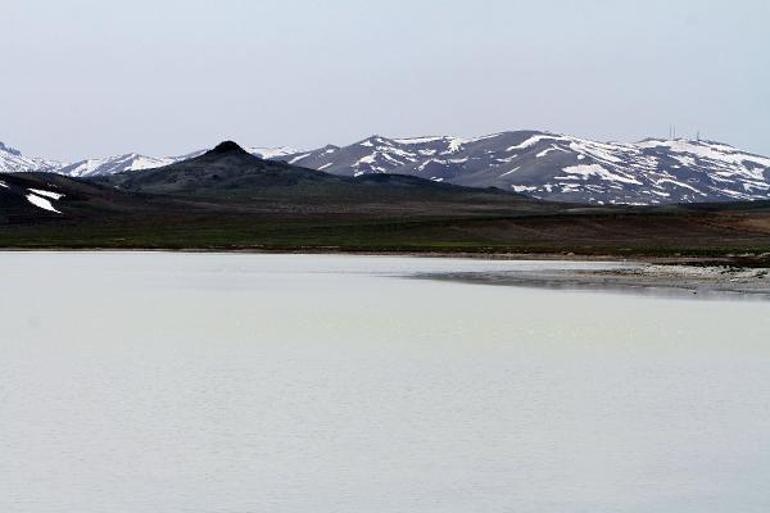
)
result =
(248, 383)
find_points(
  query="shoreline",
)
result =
(674, 280)
(752, 260)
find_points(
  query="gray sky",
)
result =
(88, 78)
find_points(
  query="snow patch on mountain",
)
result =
(47, 194)
(41, 202)
(271, 153)
(586, 171)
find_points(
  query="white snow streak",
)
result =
(41, 203)
(47, 194)
(588, 170)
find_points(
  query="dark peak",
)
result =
(228, 151)
(228, 147)
(12, 151)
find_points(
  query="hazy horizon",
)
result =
(161, 78)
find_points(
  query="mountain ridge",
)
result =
(566, 168)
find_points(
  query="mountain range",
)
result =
(227, 198)
(538, 164)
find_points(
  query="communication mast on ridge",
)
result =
(671, 132)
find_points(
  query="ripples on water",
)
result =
(244, 383)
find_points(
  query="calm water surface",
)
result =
(245, 383)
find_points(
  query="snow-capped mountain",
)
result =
(113, 165)
(560, 167)
(11, 160)
(277, 153)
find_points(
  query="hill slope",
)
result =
(30, 198)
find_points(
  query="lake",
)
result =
(161, 382)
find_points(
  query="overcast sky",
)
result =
(89, 78)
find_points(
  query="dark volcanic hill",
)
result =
(227, 170)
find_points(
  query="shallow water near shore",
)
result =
(142, 382)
